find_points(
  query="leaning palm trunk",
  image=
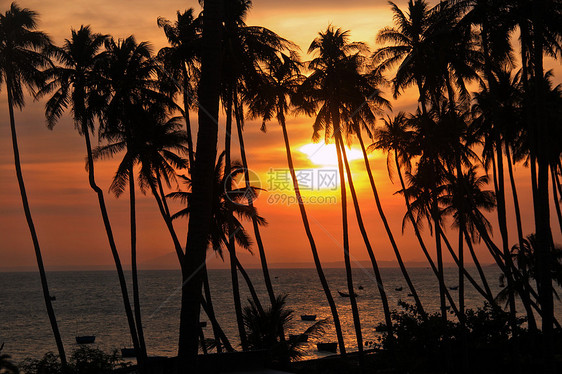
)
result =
(417, 231)
(211, 312)
(186, 116)
(515, 196)
(477, 264)
(113, 247)
(346, 256)
(378, 277)
(34, 238)
(230, 242)
(202, 176)
(389, 231)
(311, 241)
(437, 223)
(136, 295)
(259, 242)
(502, 221)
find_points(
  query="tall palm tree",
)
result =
(77, 84)
(22, 54)
(273, 99)
(129, 78)
(202, 176)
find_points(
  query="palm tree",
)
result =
(77, 84)
(181, 59)
(202, 176)
(409, 47)
(226, 202)
(463, 200)
(273, 99)
(128, 72)
(396, 138)
(22, 54)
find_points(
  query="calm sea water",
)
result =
(89, 303)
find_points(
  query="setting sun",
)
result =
(325, 154)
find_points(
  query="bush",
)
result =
(84, 360)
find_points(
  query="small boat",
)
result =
(345, 294)
(410, 294)
(454, 288)
(328, 347)
(128, 353)
(399, 288)
(301, 338)
(53, 298)
(85, 339)
(308, 317)
(360, 287)
(203, 324)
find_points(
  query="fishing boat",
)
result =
(345, 294)
(360, 287)
(399, 288)
(128, 353)
(308, 317)
(53, 298)
(454, 288)
(85, 339)
(328, 347)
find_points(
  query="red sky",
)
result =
(65, 209)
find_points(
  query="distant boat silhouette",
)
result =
(308, 317)
(128, 353)
(86, 339)
(53, 298)
(399, 288)
(454, 288)
(328, 347)
(345, 294)
(360, 287)
(410, 294)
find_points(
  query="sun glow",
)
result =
(325, 154)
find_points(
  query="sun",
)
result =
(325, 154)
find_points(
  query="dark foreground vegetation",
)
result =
(454, 155)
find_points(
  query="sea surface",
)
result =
(90, 303)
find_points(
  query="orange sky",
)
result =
(65, 209)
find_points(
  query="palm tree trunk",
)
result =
(216, 326)
(514, 193)
(311, 241)
(461, 274)
(346, 257)
(502, 221)
(477, 264)
(113, 247)
(33, 232)
(555, 197)
(378, 277)
(417, 231)
(186, 117)
(230, 243)
(202, 176)
(136, 295)
(211, 309)
(388, 230)
(435, 214)
(259, 242)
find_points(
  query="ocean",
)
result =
(90, 303)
